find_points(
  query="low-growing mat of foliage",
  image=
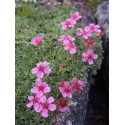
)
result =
(36, 22)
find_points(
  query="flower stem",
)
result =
(39, 49)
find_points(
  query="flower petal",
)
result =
(45, 112)
(62, 110)
(72, 50)
(61, 89)
(40, 74)
(39, 94)
(69, 95)
(64, 94)
(34, 90)
(36, 106)
(66, 84)
(84, 59)
(95, 56)
(43, 99)
(38, 81)
(46, 90)
(52, 107)
(84, 54)
(34, 70)
(66, 48)
(45, 63)
(30, 98)
(39, 64)
(90, 61)
(47, 70)
(29, 104)
(50, 100)
(90, 51)
(39, 109)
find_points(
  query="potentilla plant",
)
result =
(77, 50)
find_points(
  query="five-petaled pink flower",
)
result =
(77, 84)
(69, 23)
(84, 33)
(100, 33)
(47, 105)
(70, 46)
(66, 90)
(34, 101)
(75, 16)
(94, 28)
(66, 38)
(63, 104)
(37, 40)
(41, 69)
(90, 43)
(89, 56)
(40, 89)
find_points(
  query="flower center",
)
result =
(45, 105)
(67, 90)
(74, 16)
(68, 23)
(35, 100)
(92, 28)
(41, 87)
(41, 68)
(90, 56)
(63, 103)
(71, 45)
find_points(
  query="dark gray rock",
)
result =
(102, 17)
(75, 115)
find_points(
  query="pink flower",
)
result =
(89, 56)
(84, 33)
(61, 83)
(37, 40)
(63, 104)
(66, 90)
(69, 23)
(90, 43)
(70, 46)
(77, 84)
(41, 69)
(66, 38)
(34, 101)
(40, 89)
(47, 105)
(94, 28)
(100, 33)
(75, 16)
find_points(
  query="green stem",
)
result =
(39, 49)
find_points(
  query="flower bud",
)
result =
(50, 36)
(44, 38)
(63, 66)
(19, 30)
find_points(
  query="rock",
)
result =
(102, 17)
(75, 115)
(44, 1)
(85, 12)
